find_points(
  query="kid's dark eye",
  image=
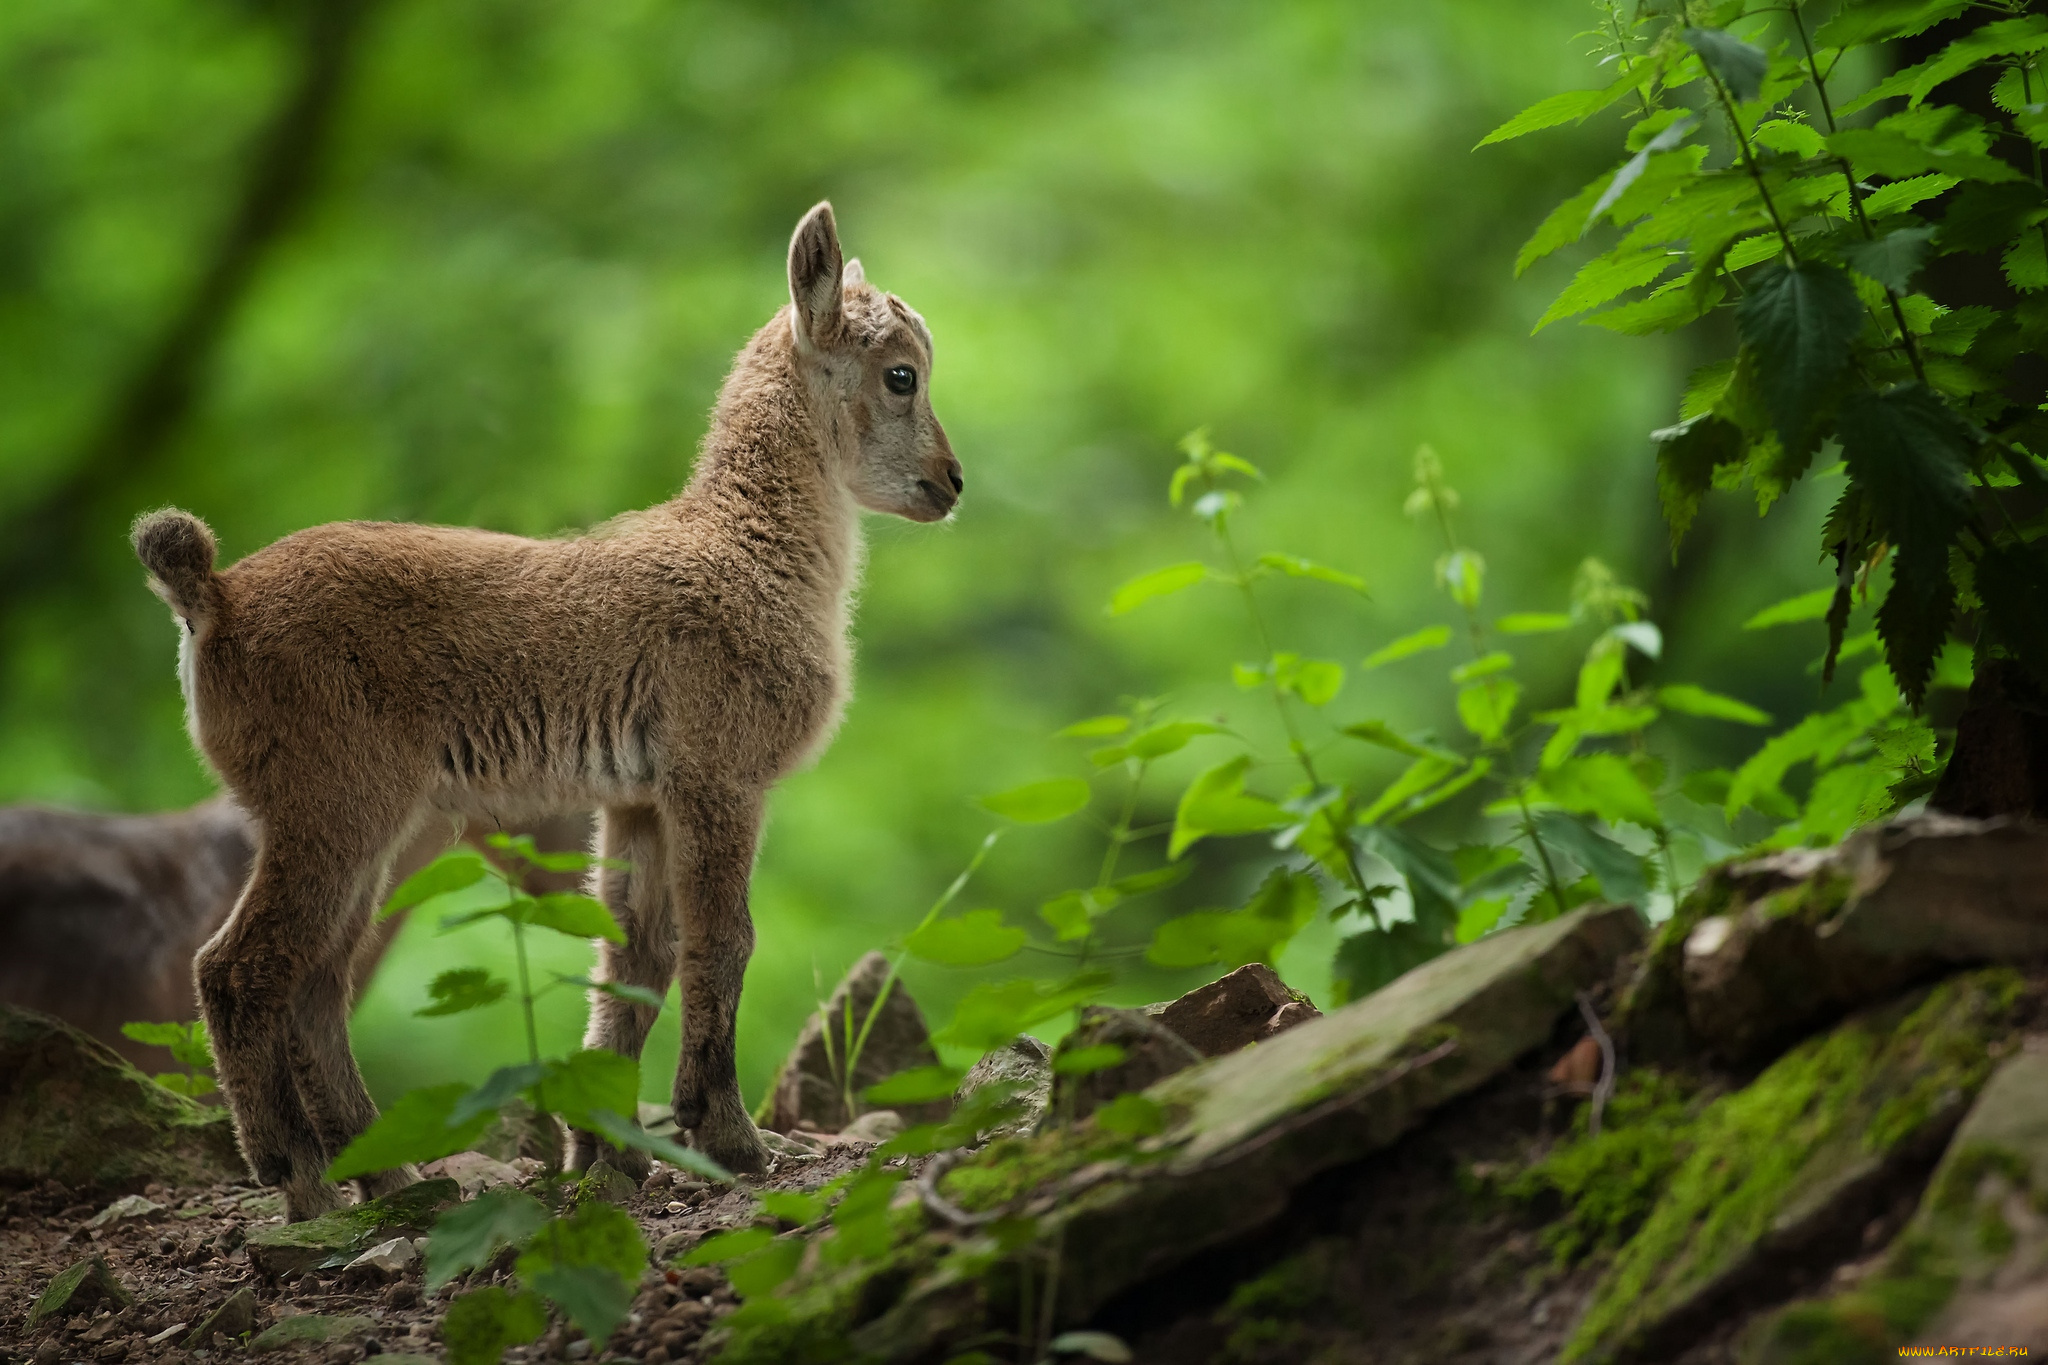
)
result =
(900, 379)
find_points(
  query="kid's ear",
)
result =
(814, 277)
(854, 274)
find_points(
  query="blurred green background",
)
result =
(485, 262)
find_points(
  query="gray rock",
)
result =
(1971, 1268)
(1152, 1052)
(88, 1284)
(308, 1329)
(334, 1239)
(73, 1111)
(1236, 1010)
(387, 1259)
(234, 1317)
(877, 1125)
(602, 1182)
(1027, 1063)
(473, 1172)
(807, 1091)
(128, 1206)
(679, 1243)
(1772, 947)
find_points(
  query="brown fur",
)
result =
(669, 667)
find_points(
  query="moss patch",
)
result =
(1758, 1155)
(335, 1238)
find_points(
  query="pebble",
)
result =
(387, 1258)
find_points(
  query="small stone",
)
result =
(335, 1239)
(1026, 1061)
(161, 1337)
(473, 1172)
(1235, 1010)
(603, 1182)
(387, 1258)
(659, 1179)
(877, 1125)
(578, 1349)
(235, 1316)
(340, 1353)
(130, 1206)
(805, 1091)
(404, 1294)
(679, 1243)
(1152, 1052)
(81, 1286)
(308, 1329)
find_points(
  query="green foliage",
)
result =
(188, 1047)
(482, 1323)
(1815, 233)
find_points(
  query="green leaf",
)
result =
(1378, 732)
(1808, 606)
(1161, 740)
(1533, 622)
(1802, 140)
(1602, 785)
(722, 1247)
(1283, 905)
(1315, 681)
(1095, 727)
(618, 990)
(1068, 915)
(1901, 195)
(1987, 217)
(1038, 803)
(990, 1015)
(974, 939)
(1159, 583)
(1687, 456)
(766, 1270)
(1570, 106)
(1740, 66)
(1912, 454)
(482, 1323)
(1480, 916)
(468, 1235)
(1621, 874)
(1893, 259)
(2009, 37)
(415, 1128)
(155, 1035)
(1564, 225)
(1605, 278)
(500, 1086)
(1425, 772)
(1429, 637)
(1875, 20)
(1131, 1115)
(1296, 567)
(794, 1206)
(578, 916)
(861, 1218)
(1483, 667)
(589, 1080)
(1431, 876)
(1216, 803)
(1634, 173)
(1141, 883)
(1889, 152)
(918, 1085)
(1697, 701)
(1800, 322)
(589, 1264)
(1365, 962)
(463, 988)
(1086, 1061)
(449, 872)
(624, 1132)
(1485, 708)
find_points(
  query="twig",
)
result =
(928, 1193)
(1603, 1089)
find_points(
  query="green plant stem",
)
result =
(1827, 111)
(1756, 173)
(526, 1000)
(1119, 835)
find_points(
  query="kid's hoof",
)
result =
(309, 1199)
(739, 1150)
(585, 1149)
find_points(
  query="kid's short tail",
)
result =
(178, 549)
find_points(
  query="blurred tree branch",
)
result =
(43, 540)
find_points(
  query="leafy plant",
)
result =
(189, 1048)
(1760, 179)
(583, 1256)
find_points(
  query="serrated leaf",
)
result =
(1602, 785)
(1366, 962)
(2008, 37)
(918, 1085)
(1216, 803)
(1893, 259)
(1789, 136)
(1889, 152)
(1570, 106)
(1564, 225)
(1687, 456)
(1425, 772)
(588, 1264)
(1740, 66)
(992, 1014)
(1697, 701)
(415, 1128)
(578, 916)
(1159, 583)
(1807, 606)
(448, 873)
(1620, 873)
(1875, 20)
(586, 1081)
(462, 988)
(1038, 803)
(1378, 732)
(1428, 638)
(470, 1234)
(975, 939)
(1800, 322)
(1485, 708)
(1633, 170)
(1605, 278)
(482, 1323)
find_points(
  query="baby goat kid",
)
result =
(668, 667)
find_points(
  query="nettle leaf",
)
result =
(1282, 907)
(1603, 785)
(1430, 874)
(918, 1085)
(1485, 708)
(589, 1264)
(1634, 173)
(1622, 875)
(1161, 740)
(1890, 152)
(1038, 803)
(1988, 217)
(1294, 566)
(1740, 66)
(1912, 454)
(415, 1128)
(2006, 38)
(974, 939)
(1876, 20)
(992, 1014)
(2025, 264)
(1570, 106)
(1697, 701)
(1086, 1061)
(448, 873)
(1566, 224)
(483, 1322)
(500, 1086)
(1159, 583)
(470, 1234)
(1366, 962)
(2014, 587)
(1378, 732)
(1424, 773)
(1499, 661)
(578, 916)
(1428, 638)
(1533, 622)
(861, 1218)
(1901, 195)
(1790, 136)
(1068, 915)
(1800, 322)
(1605, 278)
(1808, 606)
(794, 1206)
(1095, 727)
(1687, 456)
(1893, 259)
(463, 988)
(1216, 803)
(589, 1080)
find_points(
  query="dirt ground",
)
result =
(184, 1261)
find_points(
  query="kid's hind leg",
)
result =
(638, 896)
(250, 977)
(717, 831)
